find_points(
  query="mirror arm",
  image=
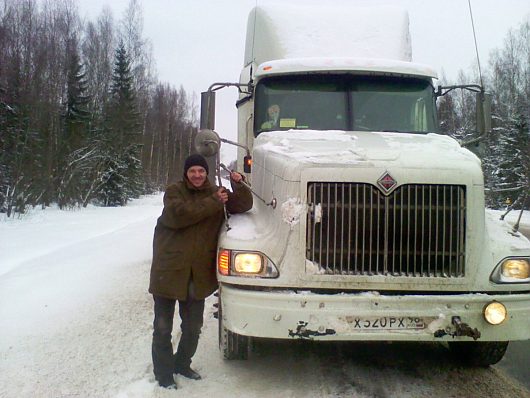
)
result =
(236, 144)
(219, 86)
(442, 90)
(207, 120)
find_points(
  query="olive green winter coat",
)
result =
(185, 240)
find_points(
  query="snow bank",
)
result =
(54, 262)
(41, 232)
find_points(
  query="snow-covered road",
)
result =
(75, 321)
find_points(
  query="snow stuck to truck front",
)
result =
(292, 209)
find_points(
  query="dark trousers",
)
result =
(165, 363)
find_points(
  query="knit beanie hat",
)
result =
(195, 160)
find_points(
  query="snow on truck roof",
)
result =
(327, 38)
(340, 64)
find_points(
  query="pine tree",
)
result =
(76, 113)
(75, 131)
(123, 171)
(125, 117)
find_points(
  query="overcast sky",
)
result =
(198, 42)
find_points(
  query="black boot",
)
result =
(167, 382)
(188, 372)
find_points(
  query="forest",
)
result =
(84, 118)
(505, 151)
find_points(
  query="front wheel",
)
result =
(484, 353)
(231, 345)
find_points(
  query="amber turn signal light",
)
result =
(223, 262)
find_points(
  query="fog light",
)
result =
(248, 263)
(495, 313)
(516, 268)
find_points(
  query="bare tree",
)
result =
(508, 153)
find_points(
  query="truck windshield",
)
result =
(345, 102)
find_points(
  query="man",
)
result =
(183, 268)
(273, 114)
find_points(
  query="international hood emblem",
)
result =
(386, 182)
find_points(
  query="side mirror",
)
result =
(207, 143)
(483, 112)
(207, 110)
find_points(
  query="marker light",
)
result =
(247, 164)
(268, 67)
(248, 263)
(495, 313)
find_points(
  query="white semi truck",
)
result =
(367, 224)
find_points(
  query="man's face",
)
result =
(196, 175)
(274, 112)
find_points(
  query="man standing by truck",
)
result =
(183, 267)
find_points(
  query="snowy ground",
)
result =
(75, 321)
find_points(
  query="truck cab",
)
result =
(369, 225)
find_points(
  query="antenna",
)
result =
(254, 33)
(476, 47)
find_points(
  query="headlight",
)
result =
(512, 270)
(515, 268)
(245, 263)
(495, 313)
(248, 263)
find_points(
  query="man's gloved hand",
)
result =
(221, 195)
(235, 176)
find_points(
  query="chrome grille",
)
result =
(416, 231)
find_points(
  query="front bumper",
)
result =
(369, 315)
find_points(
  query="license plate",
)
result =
(387, 323)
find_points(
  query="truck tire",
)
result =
(231, 345)
(482, 354)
